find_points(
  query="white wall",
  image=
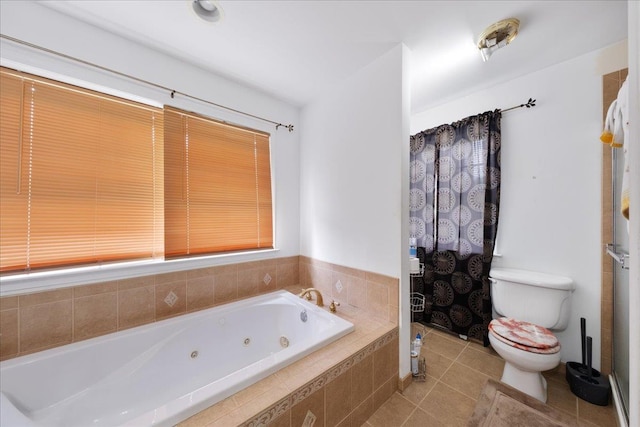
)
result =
(354, 160)
(42, 26)
(551, 176)
(351, 170)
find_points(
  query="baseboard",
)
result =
(404, 383)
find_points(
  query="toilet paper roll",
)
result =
(414, 265)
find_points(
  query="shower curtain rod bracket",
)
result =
(530, 103)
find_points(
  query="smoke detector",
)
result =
(497, 36)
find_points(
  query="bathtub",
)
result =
(162, 373)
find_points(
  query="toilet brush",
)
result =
(583, 334)
(586, 382)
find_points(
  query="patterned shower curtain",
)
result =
(454, 204)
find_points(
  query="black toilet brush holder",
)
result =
(584, 381)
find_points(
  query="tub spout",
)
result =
(309, 291)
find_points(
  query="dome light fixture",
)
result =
(209, 10)
(497, 36)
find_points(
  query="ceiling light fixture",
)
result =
(209, 10)
(497, 36)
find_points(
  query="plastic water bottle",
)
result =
(413, 247)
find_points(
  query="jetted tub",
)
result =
(162, 373)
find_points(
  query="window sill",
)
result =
(48, 280)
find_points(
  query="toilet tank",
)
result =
(540, 298)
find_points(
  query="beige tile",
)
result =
(320, 278)
(382, 365)
(283, 420)
(449, 347)
(172, 277)
(248, 281)
(94, 289)
(287, 275)
(8, 334)
(362, 380)
(288, 260)
(362, 412)
(171, 299)
(267, 279)
(210, 414)
(447, 405)
(394, 412)
(557, 375)
(136, 306)
(466, 380)
(9, 303)
(338, 398)
(481, 361)
(263, 386)
(346, 282)
(384, 392)
(136, 282)
(314, 404)
(225, 287)
(381, 279)
(378, 299)
(304, 271)
(95, 315)
(46, 297)
(560, 397)
(200, 272)
(357, 293)
(225, 269)
(436, 363)
(420, 418)
(603, 416)
(45, 325)
(200, 292)
(419, 389)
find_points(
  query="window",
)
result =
(83, 179)
(217, 186)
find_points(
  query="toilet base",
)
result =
(531, 383)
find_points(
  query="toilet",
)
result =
(528, 307)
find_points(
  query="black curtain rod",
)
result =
(172, 92)
(530, 103)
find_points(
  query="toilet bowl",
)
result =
(528, 307)
(527, 350)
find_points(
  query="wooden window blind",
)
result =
(81, 175)
(217, 186)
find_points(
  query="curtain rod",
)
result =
(172, 92)
(530, 103)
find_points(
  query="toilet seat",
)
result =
(524, 336)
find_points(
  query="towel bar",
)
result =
(620, 257)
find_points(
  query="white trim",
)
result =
(8, 63)
(622, 420)
(56, 279)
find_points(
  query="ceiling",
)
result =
(295, 50)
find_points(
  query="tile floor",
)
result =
(456, 372)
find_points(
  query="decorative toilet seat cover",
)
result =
(524, 335)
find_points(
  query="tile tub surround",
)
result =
(43, 320)
(374, 293)
(341, 384)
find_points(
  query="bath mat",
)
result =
(500, 405)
